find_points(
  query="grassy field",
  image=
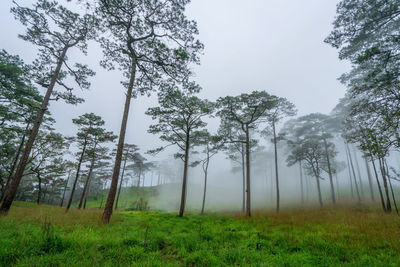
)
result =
(45, 236)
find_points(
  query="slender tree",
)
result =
(179, 119)
(212, 144)
(153, 43)
(244, 113)
(282, 108)
(89, 126)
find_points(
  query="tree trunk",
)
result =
(185, 171)
(65, 188)
(276, 168)
(205, 169)
(11, 192)
(330, 172)
(102, 198)
(85, 188)
(354, 175)
(122, 178)
(388, 204)
(243, 178)
(39, 189)
(138, 186)
(391, 188)
(114, 182)
(78, 169)
(337, 186)
(21, 145)
(351, 179)
(371, 188)
(359, 174)
(379, 185)
(316, 172)
(248, 199)
(301, 183)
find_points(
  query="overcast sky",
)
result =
(272, 45)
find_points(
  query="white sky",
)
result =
(272, 45)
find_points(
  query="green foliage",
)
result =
(299, 238)
(54, 29)
(156, 37)
(180, 118)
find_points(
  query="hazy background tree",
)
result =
(244, 113)
(179, 122)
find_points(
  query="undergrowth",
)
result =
(45, 236)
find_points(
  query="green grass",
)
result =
(45, 236)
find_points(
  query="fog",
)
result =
(275, 46)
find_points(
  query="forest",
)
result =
(224, 177)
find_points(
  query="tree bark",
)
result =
(122, 178)
(379, 184)
(276, 168)
(330, 172)
(114, 182)
(371, 188)
(78, 169)
(185, 170)
(65, 188)
(11, 192)
(388, 204)
(248, 199)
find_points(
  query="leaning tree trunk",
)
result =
(330, 172)
(185, 171)
(379, 184)
(391, 188)
(21, 145)
(371, 188)
(205, 169)
(78, 169)
(118, 158)
(244, 179)
(385, 184)
(11, 192)
(65, 188)
(122, 178)
(248, 199)
(276, 168)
